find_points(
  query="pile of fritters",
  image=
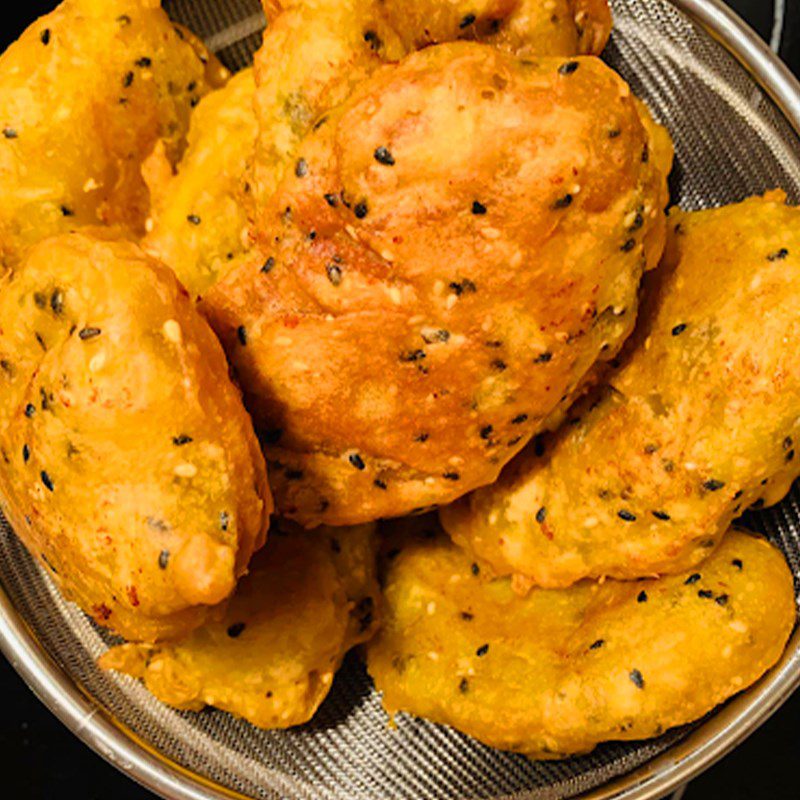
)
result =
(417, 258)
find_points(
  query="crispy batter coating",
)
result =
(85, 94)
(327, 47)
(452, 252)
(560, 671)
(271, 657)
(699, 422)
(199, 225)
(130, 467)
(525, 27)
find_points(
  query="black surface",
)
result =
(42, 759)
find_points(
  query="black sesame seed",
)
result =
(127, 80)
(519, 419)
(30, 410)
(39, 299)
(626, 515)
(713, 485)
(478, 208)
(241, 333)
(163, 559)
(452, 476)
(543, 358)
(482, 650)
(562, 202)
(597, 644)
(498, 365)
(461, 287)
(486, 431)
(45, 36)
(693, 578)
(412, 355)
(373, 40)
(268, 265)
(637, 679)
(361, 210)
(181, 440)
(790, 456)
(88, 333)
(334, 274)
(466, 21)
(737, 562)
(645, 153)
(638, 221)
(705, 594)
(778, 255)
(568, 67)
(66, 211)
(224, 520)
(475, 569)
(235, 630)
(332, 200)
(422, 437)
(383, 156)
(432, 337)
(614, 133)
(721, 600)
(26, 453)
(10, 133)
(679, 329)
(194, 219)
(356, 460)
(628, 246)
(57, 301)
(662, 515)
(463, 686)
(46, 480)
(336, 546)
(380, 484)
(145, 62)
(466, 616)
(641, 597)
(301, 168)
(541, 515)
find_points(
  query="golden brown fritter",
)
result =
(525, 27)
(452, 252)
(198, 224)
(699, 422)
(85, 94)
(271, 657)
(560, 671)
(130, 465)
(327, 47)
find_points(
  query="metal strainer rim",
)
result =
(684, 761)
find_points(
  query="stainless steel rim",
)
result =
(710, 742)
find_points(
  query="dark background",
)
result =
(42, 759)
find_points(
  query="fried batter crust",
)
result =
(130, 467)
(271, 657)
(699, 422)
(453, 250)
(560, 671)
(85, 94)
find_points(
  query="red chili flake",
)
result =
(133, 596)
(102, 612)
(383, 156)
(235, 630)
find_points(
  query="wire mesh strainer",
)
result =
(734, 113)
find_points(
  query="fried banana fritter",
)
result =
(85, 94)
(199, 226)
(452, 252)
(699, 422)
(525, 27)
(271, 657)
(130, 467)
(560, 671)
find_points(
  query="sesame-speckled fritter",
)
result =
(198, 224)
(271, 656)
(130, 467)
(454, 249)
(327, 47)
(559, 671)
(85, 94)
(699, 422)
(529, 27)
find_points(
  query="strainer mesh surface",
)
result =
(731, 142)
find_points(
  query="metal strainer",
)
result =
(734, 112)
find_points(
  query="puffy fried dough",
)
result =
(199, 226)
(529, 27)
(699, 422)
(271, 657)
(454, 249)
(560, 671)
(85, 94)
(130, 467)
